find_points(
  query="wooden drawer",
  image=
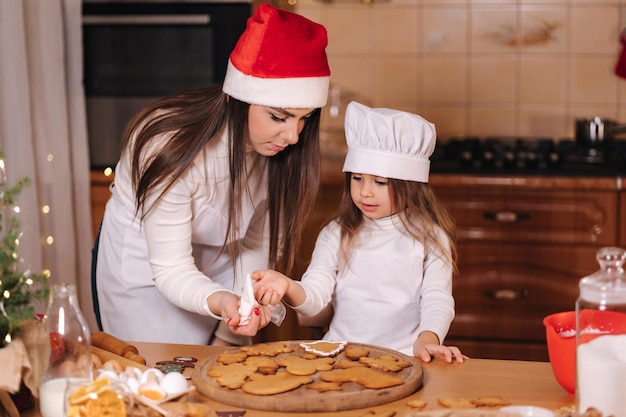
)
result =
(538, 216)
(100, 193)
(505, 291)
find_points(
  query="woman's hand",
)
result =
(427, 347)
(228, 308)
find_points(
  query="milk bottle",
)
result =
(70, 343)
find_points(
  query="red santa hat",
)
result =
(279, 61)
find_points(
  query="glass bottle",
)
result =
(601, 336)
(70, 349)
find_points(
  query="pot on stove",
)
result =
(595, 132)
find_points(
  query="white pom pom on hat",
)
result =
(388, 143)
(279, 61)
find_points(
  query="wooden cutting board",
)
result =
(302, 399)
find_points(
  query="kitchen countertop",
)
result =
(520, 382)
(332, 164)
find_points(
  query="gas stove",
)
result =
(527, 156)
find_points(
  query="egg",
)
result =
(174, 383)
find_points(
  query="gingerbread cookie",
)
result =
(455, 403)
(368, 377)
(345, 364)
(266, 365)
(266, 349)
(228, 358)
(417, 404)
(324, 348)
(385, 363)
(300, 366)
(274, 384)
(231, 376)
(325, 386)
(357, 352)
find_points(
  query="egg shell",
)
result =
(107, 373)
(174, 383)
(133, 385)
(133, 372)
(157, 372)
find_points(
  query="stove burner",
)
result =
(530, 155)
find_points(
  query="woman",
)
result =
(211, 185)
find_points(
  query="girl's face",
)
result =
(273, 129)
(372, 195)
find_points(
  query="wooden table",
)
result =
(521, 382)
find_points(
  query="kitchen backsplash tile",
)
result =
(444, 80)
(486, 83)
(542, 80)
(480, 67)
(594, 29)
(395, 31)
(444, 30)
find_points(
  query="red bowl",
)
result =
(561, 340)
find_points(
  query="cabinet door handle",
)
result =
(506, 216)
(505, 294)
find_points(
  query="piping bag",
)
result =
(248, 303)
(620, 67)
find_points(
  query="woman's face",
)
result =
(371, 195)
(272, 129)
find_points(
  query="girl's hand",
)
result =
(270, 286)
(429, 351)
(427, 347)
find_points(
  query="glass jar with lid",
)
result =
(601, 336)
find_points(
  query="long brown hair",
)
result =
(421, 214)
(192, 119)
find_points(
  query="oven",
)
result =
(136, 51)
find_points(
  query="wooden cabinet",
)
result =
(523, 244)
(622, 220)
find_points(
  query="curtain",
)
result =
(43, 136)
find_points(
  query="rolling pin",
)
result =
(112, 344)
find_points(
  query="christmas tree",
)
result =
(19, 290)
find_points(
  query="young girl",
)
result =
(386, 263)
(211, 185)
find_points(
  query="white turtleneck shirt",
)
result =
(390, 291)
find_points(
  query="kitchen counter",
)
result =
(331, 175)
(520, 382)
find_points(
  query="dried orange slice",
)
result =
(108, 404)
(88, 391)
(96, 399)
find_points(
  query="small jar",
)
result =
(70, 349)
(601, 336)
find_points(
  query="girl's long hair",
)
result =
(194, 118)
(421, 214)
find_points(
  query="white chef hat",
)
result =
(388, 143)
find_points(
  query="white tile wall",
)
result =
(480, 67)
